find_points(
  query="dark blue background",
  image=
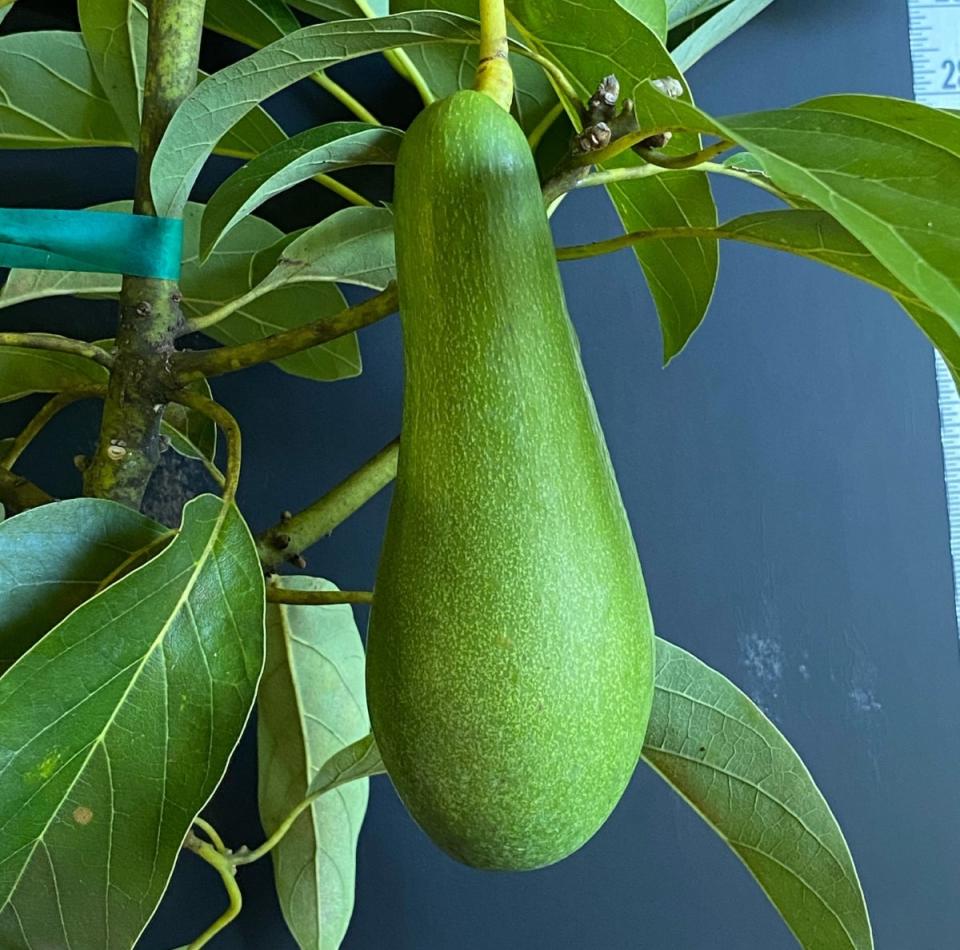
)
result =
(785, 482)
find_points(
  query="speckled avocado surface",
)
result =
(510, 648)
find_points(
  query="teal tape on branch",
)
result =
(103, 242)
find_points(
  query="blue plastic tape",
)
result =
(102, 242)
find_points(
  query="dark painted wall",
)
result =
(785, 482)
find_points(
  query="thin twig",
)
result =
(288, 539)
(228, 425)
(212, 834)
(317, 598)
(58, 344)
(50, 408)
(345, 98)
(544, 126)
(18, 494)
(344, 191)
(224, 866)
(190, 365)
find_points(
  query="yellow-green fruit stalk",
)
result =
(510, 651)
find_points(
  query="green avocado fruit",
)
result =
(510, 648)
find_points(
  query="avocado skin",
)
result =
(510, 647)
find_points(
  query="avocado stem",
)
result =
(494, 76)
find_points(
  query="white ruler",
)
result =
(935, 49)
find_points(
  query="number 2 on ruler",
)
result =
(951, 69)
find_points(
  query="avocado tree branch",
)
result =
(18, 494)
(288, 540)
(190, 365)
(608, 176)
(58, 344)
(317, 598)
(150, 315)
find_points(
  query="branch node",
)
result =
(593, 138)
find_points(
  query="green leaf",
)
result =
(448, 68)
(254, 133)
(228, 273)
(51, 96)
(5, 7)
(191, 433)
(23, 284)
(55, 557)
(593, 38)
(731, 764)
(311, 705)
(254, 22)
(117, 727)
(53, 99)
(319, 150)
(24, 371)
(719, 27)
(352, 246)
(360, 759)
(115, 33)
(651, 13)
(224, 276)
(888, 170)
(817, 236)
(745, 162)
(679, 11)
(221, 101)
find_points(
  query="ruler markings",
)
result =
(935, 49)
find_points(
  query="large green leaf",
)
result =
(319, 150)
(589, 39)
(719, 751)
(23, 284)
(449, 68)
(221, 101)
(115, 33)
(719, 27)
(24, 371)
(55, 557)
(224, 276)
(116, 729)
(887, 170)
(311, 706)
(352, 246)
(51, 97)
